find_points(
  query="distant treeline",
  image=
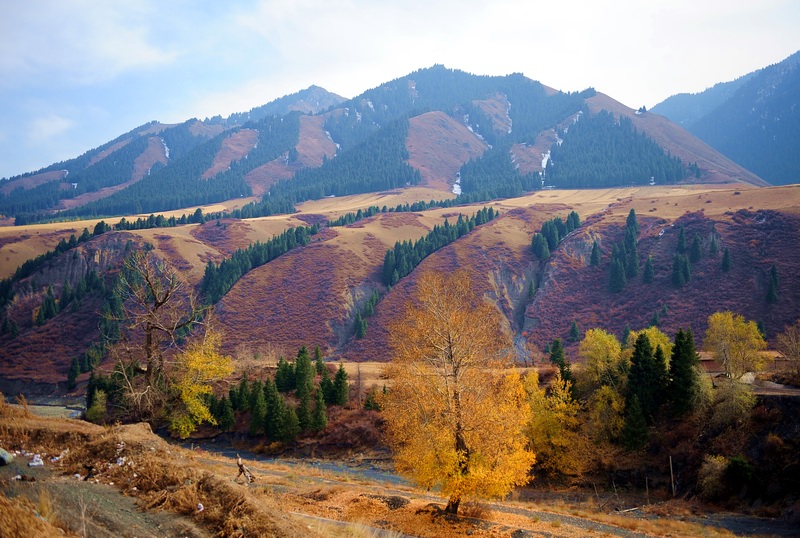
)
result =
(220, 278)
(405, 256)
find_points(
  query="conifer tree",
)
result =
(649, 272)
(326, 387)
(632, 223)
(290, 425)
(634, 431)
(319, 420)
(713, 248)
(72, 374)
(574, 332)
(319, 363)
(304, 410)
(360, 326)
(258, 411)
(274, 402)
(285, 376)
(643, 377)
(727, 263)
(616, 279)
(681, 248)
(540, 247)
(243, 394)
(304, 373)
(227, 417)
(341, 389)
(696, 251)
(594, 259)
(772, 286)
(682, 372)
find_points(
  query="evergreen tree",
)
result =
(681, 270)
(632, 223)
(626, 332)
(594, 259)
(258, 411)
(290, 427)
(574, 332)
(727, 263)
(341, 390)
(275, 413)
(634, 431)
(643, 377)
(616, 279)
(72, 374)
(632, 258)
(285, 376)
(713, 248)
(557, 357)
(243, 394)
(772, 286)
(360, 326)
(649, 272)
(319, 420)
(655, 320)
(682, 372)
(304, 410)
(681, 248)
(227, 418)
(304, 372)
(327, 388)
(319, 363)
(540, 247)
(661, 376)
(696, 251)
(256, 391)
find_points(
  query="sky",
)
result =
(75, 74)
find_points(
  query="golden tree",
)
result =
(736, 343)
(455, 414)
(194, 370)
(602, 354)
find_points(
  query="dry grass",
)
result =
(19, 517)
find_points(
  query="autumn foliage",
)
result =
(454, 418)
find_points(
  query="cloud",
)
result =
(43, 129)
(77, 41)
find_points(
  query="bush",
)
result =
(734, 403)
(711, 478)
(97, 412)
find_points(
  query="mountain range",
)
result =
(414, 163)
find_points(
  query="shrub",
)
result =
(711, 478)
(734, 403)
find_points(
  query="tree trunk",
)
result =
(452, 505)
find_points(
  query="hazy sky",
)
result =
(77, 73)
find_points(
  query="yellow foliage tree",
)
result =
(604, 363)
(455, 413)
(656, 337)
(606, 414)
(553, 427)
(194, 370)
(736, 343)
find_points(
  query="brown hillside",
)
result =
(153, 153)
(690, 149)
(529, 157)
(438, 146)
(33, 181)
(312, 146)
(496, 108)
(233, 148)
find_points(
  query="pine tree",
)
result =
(284, 376)
(634, 431)
(727, 263)
(258, 411)
(696, 252)
(319, 420)
(274, 402)
(772, 287)
(319, 363)
(682, 372)
(713, 248)
(304, 373)
(616, 279)
(227, 418)
(557, 357)
(643, 377)
(290, 425)
(304, 410)
(243, 393)
(594, 259)
(72, 374)
(632, 223)
(681, 241)
(632, 254)
(649, 272)
(574, 332)
(360, 326)
(341, 389)
(681, 270)
(326, 387)
(540, 247)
